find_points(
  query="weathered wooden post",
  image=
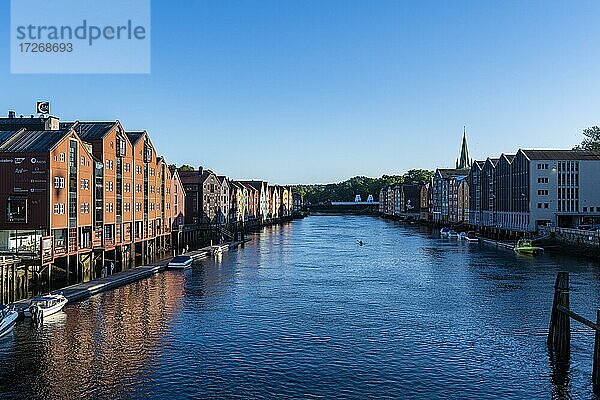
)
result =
(559, 332)
(596, 370)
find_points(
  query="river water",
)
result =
(304, 312)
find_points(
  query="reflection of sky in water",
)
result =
(304, 311)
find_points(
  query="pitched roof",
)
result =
(5, 135)
(91, 131)
(255, 184)
(561, 154)
(446, 173)
(33, 141)
(134, 136)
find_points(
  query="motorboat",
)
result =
(8, 318)
(462, 235)
(46, 305)
(216, 250)
(180, 262)
(471, 237)
(525, 246)
(452, 234)
(444, 231)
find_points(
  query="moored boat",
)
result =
(452, 234)
(444, 231)
(462, 235)
(8, 319)
(471, 237)
(525, 246)
(180, 262)
(45, 305)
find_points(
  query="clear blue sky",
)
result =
(319, 91)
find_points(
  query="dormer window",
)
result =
(121, 147)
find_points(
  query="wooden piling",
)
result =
(559, 332)
(596, 369)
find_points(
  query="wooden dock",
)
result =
(82, 291)
(497, 243)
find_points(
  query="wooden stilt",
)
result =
(596, 369)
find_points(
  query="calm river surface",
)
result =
(303, 312)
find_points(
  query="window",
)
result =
(127, 207)
(138, 207)
(151, 171)
(59, 182)
(85, 184)
(127, 167)
(151, 206)
(85, 208)
(109, 207)
(109, 164)
(138, 169)
(545, 205)
(109, 186)
(59, 208)
(539, 205)
(542, 192)
(83, 161)
(584, 209)
(597, 209)
(62, 157)
(127, 187)
(151, 189)
(544, 180)
(138, 188)
(17, 209)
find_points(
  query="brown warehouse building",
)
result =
(87, 198)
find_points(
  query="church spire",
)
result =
(464, 162)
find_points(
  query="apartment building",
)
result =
(536, 188)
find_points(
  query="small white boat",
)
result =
(8, 318)
(181, 262)
(215, 250)
(444, 231)
(46, 305)
(471, 237)
(462, 235)
(452, 234)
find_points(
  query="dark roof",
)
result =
(5, 135)
(33, 141)
(221, 178)
(33, 123)
(561, 154)
(509, 157)
(91, 131)
(452, 172)
(134, 136)
(255, 184)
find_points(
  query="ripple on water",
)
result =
(303, 312)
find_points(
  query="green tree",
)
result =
(417, 176)
(186, 167)
(592, 140)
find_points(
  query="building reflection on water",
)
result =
(106, 344)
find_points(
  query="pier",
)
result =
(82, 291)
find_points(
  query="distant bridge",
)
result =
(344, 207)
